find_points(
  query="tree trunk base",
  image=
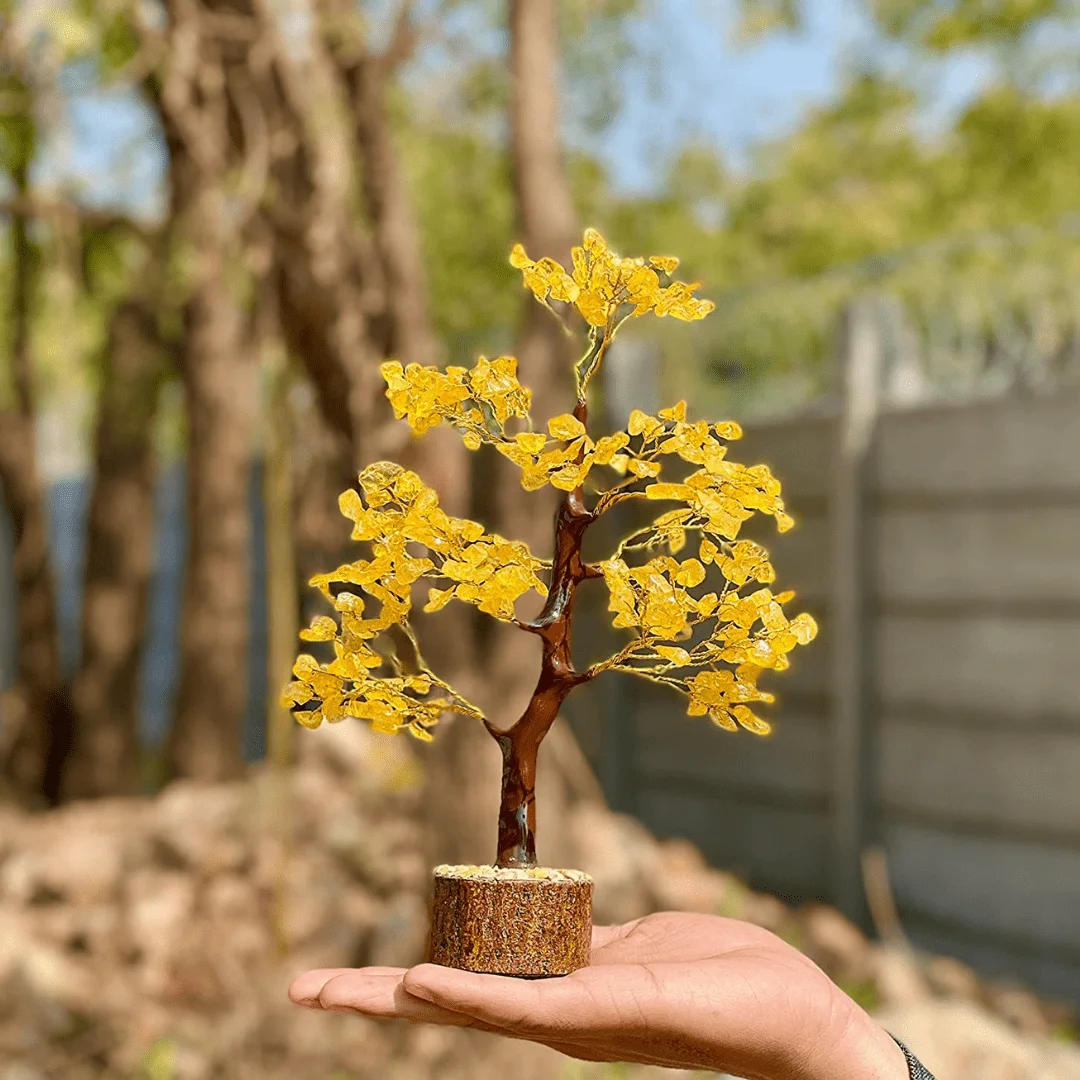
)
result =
(529, 923)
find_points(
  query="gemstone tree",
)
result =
(706, 625)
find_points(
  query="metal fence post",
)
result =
(860, 365)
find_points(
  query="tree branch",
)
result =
(403, 40)
(37, 207)
(613, 497)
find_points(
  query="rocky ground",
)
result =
(155, 939)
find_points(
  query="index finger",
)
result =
(376, 992)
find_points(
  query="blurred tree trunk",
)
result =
(218, 379)
(347, 303)
(328, 289)
(104, 758)
(36, 718)
(440, 457)
(397, 237)
(283, 602)
(547, 220)
(207, 133)
(349, 300)
(331, 303)
(549, 227)
(409, 335)
(547, 224)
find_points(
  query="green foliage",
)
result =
(1065, 1031)
(856, 197)
(760, 17)
(18, 134)
(972, 226)
(108, 261)
(1014, 158)
(158, 1063)
(579, 1070)
(465, 204)
(119, 42)
(863, 992)
(845, 186)
(960, 23)
(484, 87)
(459, 171)
(596, 50)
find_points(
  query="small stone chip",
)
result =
(511, 873)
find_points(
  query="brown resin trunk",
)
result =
(517, 918)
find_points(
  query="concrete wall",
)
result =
(970, 727)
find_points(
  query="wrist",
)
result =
(856, 1047)
(875, 1055)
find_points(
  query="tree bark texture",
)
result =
(399, 324)
(220, 389)
(104, 757)
(283, 601)
(208, 132)
(31, 709)
(409, 334)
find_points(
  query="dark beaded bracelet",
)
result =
(916, 1068)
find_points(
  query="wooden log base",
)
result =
(530, 923)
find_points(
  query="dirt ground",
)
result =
(154, 939)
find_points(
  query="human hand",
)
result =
(677, 990)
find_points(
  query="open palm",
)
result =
(680, 990)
